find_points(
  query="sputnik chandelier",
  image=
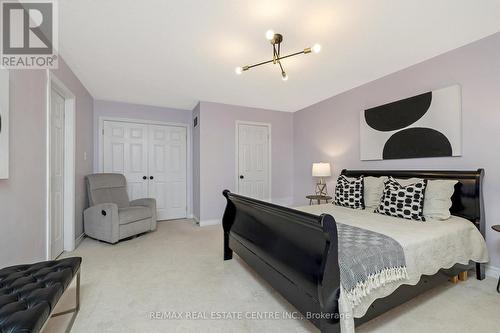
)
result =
(276, 40)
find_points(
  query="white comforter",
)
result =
(428, 247)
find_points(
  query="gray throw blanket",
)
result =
(368, 260)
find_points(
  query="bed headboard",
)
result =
(467, 201)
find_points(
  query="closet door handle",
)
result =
(144, 177)
(151, 177)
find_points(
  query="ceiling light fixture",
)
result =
(270, 34)
(276, 40)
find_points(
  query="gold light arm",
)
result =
(277, 59)
(276, 41)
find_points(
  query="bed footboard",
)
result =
(295, 252)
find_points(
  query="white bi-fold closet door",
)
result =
(153, 159)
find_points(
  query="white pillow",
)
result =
(437, 197)
(373, 190)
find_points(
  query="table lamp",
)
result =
(321, 170)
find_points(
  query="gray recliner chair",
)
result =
(111, 216)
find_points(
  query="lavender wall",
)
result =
(217, 153)
(329, 130)
(134, 111)
(22, 196)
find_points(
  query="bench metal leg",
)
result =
(75, 309)
(498, 285)
(480, 271)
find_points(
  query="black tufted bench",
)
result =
(29, 294)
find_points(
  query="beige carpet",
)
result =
(179, 268)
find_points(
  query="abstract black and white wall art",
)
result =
(426, 125)
(4, 124)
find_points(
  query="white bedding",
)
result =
(428, 247)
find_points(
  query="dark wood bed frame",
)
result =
(297, 253)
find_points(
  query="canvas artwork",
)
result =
(4, 124)
(426, 125)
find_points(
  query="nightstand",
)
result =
(318, 198)
(497, 228)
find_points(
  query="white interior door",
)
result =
(167, 170)
(253, 161)
(126, 152)
(56, 203)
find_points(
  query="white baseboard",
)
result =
(204, 223)
(79, 239)
(279, 201)
(492, 271)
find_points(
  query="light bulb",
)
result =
(316, 48)
(238, 70)
(269, 34)
(284, 77)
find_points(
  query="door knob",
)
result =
(144, 177)
(151, 177)
(241, 176)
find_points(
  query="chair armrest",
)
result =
(101, 222)
(108, 208)
(147, 202)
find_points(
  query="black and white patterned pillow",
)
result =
(406, 202)
(349, 193)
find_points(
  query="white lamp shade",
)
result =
(321, 170)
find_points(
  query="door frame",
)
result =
(189, 157)
(53, 82)
(237, 146)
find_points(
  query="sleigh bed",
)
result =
(297, 252)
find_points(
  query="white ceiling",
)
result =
(175, 53)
